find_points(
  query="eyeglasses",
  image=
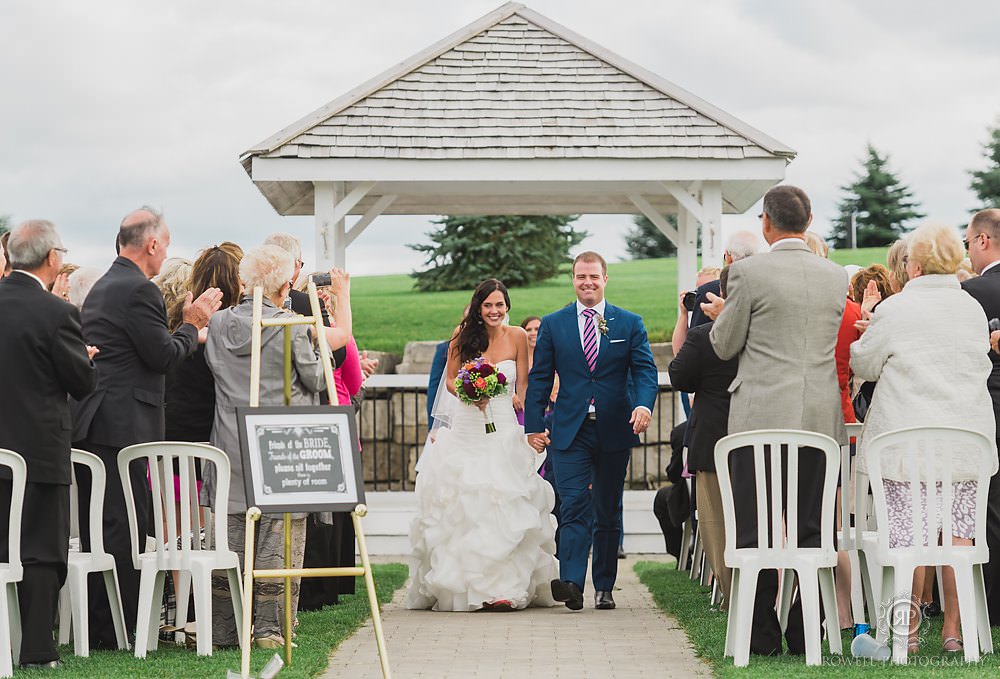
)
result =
(966, 241)
(62, 250)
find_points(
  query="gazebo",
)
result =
(516, 114)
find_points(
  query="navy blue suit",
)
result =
(590, 457)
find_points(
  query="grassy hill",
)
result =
(388, 312)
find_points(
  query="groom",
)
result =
(607, 387)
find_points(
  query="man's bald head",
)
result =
(139, 226)
(143, 238)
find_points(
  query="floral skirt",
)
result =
(897, 498)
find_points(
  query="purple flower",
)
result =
(501, 378)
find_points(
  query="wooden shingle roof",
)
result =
(516, 85)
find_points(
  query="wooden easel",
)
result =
(254, 513)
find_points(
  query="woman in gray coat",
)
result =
(227, 353)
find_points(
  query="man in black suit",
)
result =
(42, 359)
(697, 369)
(125, 317)
(982, 238)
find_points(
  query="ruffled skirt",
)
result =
(483, 530)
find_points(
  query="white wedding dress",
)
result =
(483, 530)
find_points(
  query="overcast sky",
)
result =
(113, 104)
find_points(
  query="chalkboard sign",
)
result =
(300, 458)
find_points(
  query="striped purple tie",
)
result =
(590, 338)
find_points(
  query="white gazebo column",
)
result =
(711, 224)
(687, 250)
(328, 245)
(332, 203)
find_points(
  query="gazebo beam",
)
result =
(374, 211)
(331, 206)
(658, 220)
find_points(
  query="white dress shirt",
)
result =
(28, 273)
(581, 319)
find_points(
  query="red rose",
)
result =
(486, 370)
(501, 378)
(469, 390)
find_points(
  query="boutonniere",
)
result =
(602, 325)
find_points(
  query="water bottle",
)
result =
(865, 646)
(862, 628)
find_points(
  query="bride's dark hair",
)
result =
(471, 338)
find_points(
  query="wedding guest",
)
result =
(740, 245)
(895, 262)
(125, 317)
(907, 354)
(173, 280)
(847, 334)
(330, 538)
(817, 244)
(43, 359)
(60, 284)
(875, 272)
(697, 369)
(781, 317)
(338, 333)
(80, 283)
(982, 238)
(227, 353)
(5, 268)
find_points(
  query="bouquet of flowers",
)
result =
(478, 379)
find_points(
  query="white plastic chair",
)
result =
(73, 599)
(176, 550)
(12, 571)
(929, 453)
(847, 538)
(814, 565)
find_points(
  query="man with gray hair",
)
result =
(740, 245)
(43, 359)
(124, 315)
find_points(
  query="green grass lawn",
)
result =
(319, 632)
(388, 312)
(688, 601)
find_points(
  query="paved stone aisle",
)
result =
(636, 640)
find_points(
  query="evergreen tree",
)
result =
(645, 241)
(986, 183)
(519, 250)
(881, 203)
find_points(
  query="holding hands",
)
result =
(539, 441)
(640, 418)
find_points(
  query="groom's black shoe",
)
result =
(568, 593)
(603, 601)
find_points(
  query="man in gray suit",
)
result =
(781, 317)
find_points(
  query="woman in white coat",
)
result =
(927, 348)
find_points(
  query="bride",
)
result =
(482, 537)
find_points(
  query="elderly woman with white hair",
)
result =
(227, 353)
(927, 347)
